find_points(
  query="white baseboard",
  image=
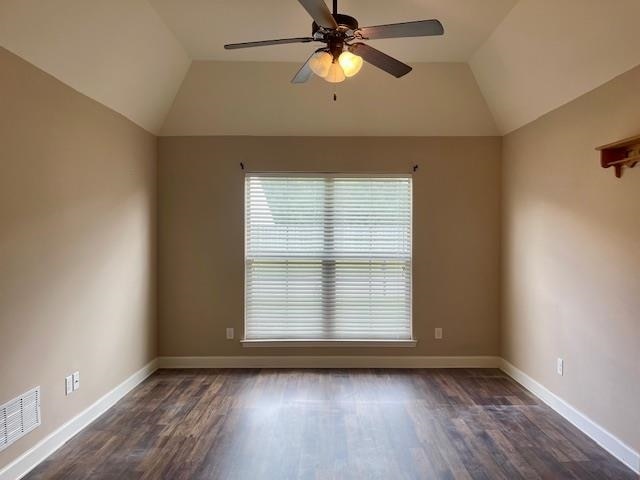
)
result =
(329, 362)
(32, 457)
(598, 434)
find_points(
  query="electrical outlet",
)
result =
(76, 381)
(230, 333)
(560, 366)
(438, 334)
(68, 385)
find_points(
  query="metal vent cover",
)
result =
(19, 416)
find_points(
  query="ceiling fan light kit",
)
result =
(324, 65)
(344, 53)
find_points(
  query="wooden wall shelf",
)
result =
(625, 153)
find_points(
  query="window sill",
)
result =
(328, 343)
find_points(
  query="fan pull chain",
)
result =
(335, 97)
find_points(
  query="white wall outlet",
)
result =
(76, 381)
(230, 333)
(560, 366)
(438, 334)
(68, 385)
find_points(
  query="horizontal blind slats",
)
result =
(328, 257)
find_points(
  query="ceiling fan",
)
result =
(344, 52)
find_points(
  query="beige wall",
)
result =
(456, 235)
(77, 245)
(571, 237)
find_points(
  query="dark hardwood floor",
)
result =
(330, 424)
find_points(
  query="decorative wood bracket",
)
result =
(625, 153)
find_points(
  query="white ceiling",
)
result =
(204, 26)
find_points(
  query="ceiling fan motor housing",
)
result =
(345, 23)
(335, 39)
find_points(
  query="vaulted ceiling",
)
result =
(501, 64)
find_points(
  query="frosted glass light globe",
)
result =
(335, 75)
(320, 63)
(350, 63)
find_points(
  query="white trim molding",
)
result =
(48, 445)
(325, 361)
(598, 434)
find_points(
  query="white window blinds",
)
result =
(328, 257)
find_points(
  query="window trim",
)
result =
(277, 343)
(328, 343)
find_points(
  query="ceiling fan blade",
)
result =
(304, 73)
(423, 28)
(380, 60)
(319, 12)
(264, 43)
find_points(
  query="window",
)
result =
(328, 257)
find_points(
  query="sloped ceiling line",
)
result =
(118, 52)
(547, 53)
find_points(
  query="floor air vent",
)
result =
(19, 416)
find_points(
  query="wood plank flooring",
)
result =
(330, 424)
